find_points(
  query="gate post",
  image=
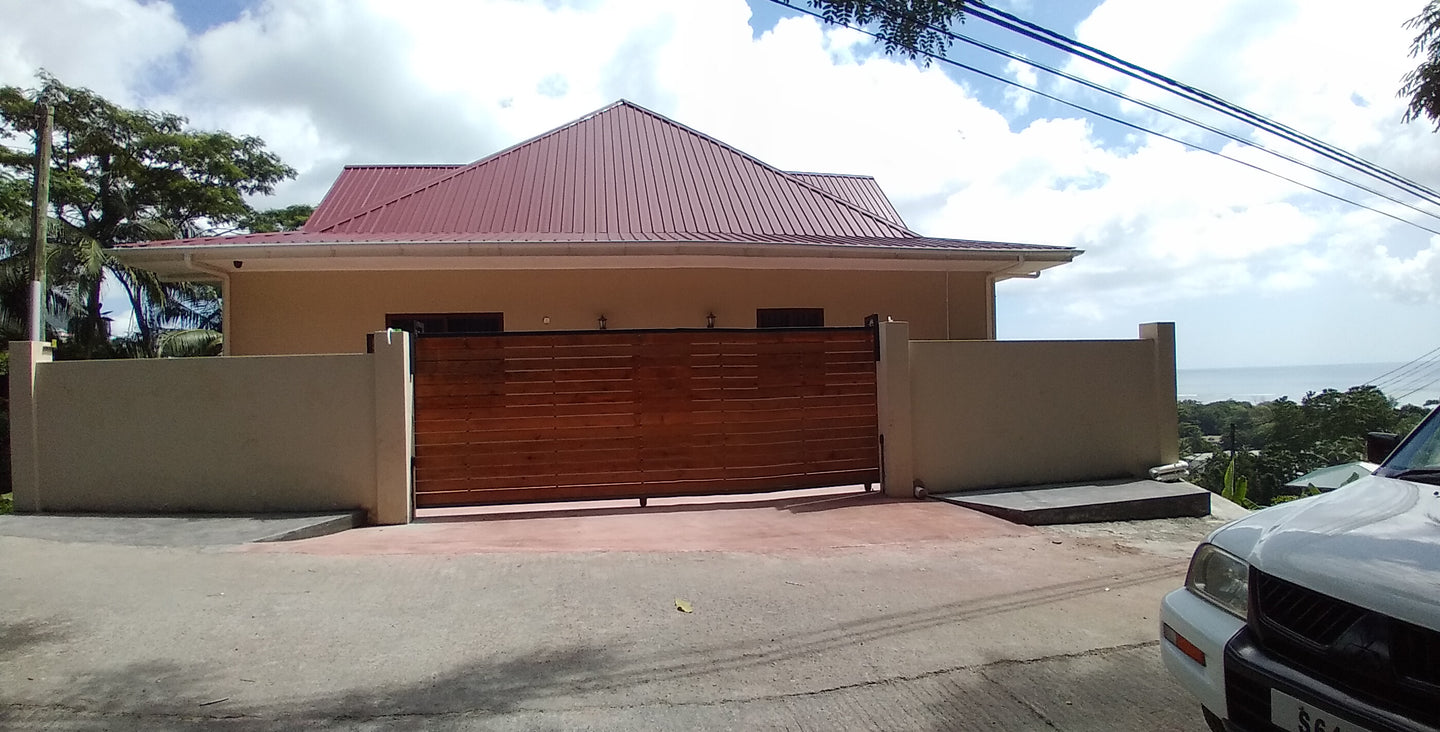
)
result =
(25, 358)
(394, 428)
(1167, 419)
(892, 379)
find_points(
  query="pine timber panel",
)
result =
(511, 418)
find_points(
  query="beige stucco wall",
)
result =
(330, 312)
(1001, 413)
(207, 434)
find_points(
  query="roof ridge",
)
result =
(788, 176)
(831, 175)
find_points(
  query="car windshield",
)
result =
(1419, 456)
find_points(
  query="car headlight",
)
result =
(1220, 577)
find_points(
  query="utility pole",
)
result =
(45, 118)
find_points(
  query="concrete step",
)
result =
(1078, 503)
(177, 529)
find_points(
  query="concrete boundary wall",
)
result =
(215, 435)
(989, 414)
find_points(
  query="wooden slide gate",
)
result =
(635, 414)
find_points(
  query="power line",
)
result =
(1418, 389)
(1176, 115)
(1044, 35)
(1387, 376)
(1418, 382)
(1412, 377)
(1122, 122)
(1416, 377)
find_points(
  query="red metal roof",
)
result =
(622, 170)
(861, 190)
(360, 187)
(622, 174)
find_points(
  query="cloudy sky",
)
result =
(1254, 270)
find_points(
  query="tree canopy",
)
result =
(909, 27)
(289, 218)
(1421, 85)
(1278, 441)
(122, 175)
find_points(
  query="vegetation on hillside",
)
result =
(1276, 442)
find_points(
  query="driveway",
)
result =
(814, 611)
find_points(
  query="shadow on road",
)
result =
(18, 635)
(150, 694)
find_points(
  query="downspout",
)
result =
(992, 278)
(224, 297)
(949, 334)
(990, 306)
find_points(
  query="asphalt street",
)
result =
(994, 629)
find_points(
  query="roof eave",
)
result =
(180, 260)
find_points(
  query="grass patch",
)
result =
(7, 503)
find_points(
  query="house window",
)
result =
(455, 323)
(790, 318)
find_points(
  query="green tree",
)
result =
(289, 218)
(15, 264)
(123, 175)
(1421, 85)
(909, 27)
(1289, 439)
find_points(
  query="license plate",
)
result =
(1289, 713)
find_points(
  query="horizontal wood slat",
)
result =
(532, 417)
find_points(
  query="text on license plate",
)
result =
(1289, 713)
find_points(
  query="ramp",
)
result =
(1078, 503)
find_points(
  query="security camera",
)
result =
(238, 264)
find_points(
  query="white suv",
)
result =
(1322, 614)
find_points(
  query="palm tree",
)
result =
(66, 268)
(121, 175)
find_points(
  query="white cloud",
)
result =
(113, 45)
(1025, 74)
(328, 82)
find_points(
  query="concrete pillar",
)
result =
(1167, 418)
(896, 426)
(394, 428)
(25, 358)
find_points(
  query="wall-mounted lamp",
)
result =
(710, 320)
(601, 321)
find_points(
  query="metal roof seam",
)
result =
(662, 183)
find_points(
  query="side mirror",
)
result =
(1379, 445)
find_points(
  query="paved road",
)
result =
(1032, 629)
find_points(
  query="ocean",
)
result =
(1260, 384)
